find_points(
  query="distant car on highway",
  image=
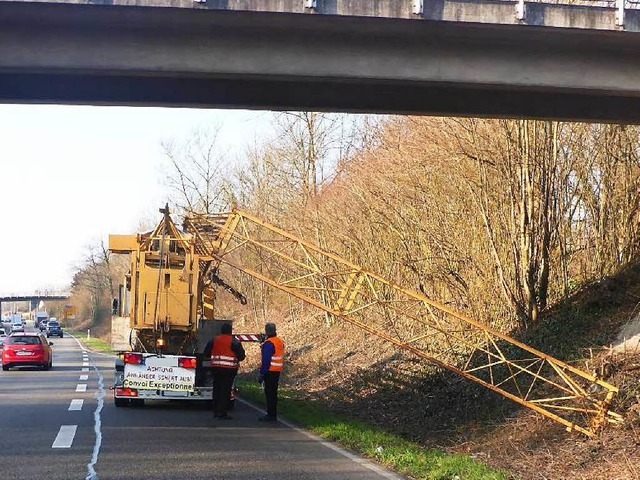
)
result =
(43, 325)
(27, 349)
(40, 317)
(53, 328)
(17, 326)
(3, 335)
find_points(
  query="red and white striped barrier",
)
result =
(249, 337)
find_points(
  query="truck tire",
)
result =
(5, 368)
(120, 402)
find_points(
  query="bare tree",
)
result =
(197, 172)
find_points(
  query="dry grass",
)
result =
(358, 376)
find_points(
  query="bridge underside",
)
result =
(310, 94)
(114, 55)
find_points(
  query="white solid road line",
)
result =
(97, 427)
(82, 387)
(84, 378)
(76, 404)
(354, 458)
(65, 436)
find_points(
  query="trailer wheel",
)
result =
(120, 402)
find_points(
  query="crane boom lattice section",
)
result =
(409, 320)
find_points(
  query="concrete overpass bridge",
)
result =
(442, 57)
(33, 299)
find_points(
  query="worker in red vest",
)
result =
(272, 364)
(226, 354)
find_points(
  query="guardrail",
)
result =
(418, 6)
(36, 294)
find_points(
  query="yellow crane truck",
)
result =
(163, 318)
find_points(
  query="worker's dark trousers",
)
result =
(271, 380)
(222, 383)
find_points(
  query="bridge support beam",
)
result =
(89, 54)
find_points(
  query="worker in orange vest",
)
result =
(272, 365)
(226, 354)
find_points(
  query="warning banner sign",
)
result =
(149, 377)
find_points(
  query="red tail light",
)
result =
(126, 392)
(133, 358)
(186, 362)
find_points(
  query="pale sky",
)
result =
(71, 175)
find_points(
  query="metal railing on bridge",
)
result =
(521, 6)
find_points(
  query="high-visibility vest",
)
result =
(277, 360)
(221, 355)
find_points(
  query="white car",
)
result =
(17, 327)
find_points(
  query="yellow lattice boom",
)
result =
(409, 320)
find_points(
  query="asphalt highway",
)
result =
(51, 428)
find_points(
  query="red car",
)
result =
(27, 349)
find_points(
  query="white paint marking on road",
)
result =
(360, 461)
(82, 387)
(85, 364)
(76, 404)
(85, 369)
(65, 436)
(83, 378)
(91, 472)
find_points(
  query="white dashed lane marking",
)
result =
(76, 404)
(65, 436)
(83, 378)
(86, 369)
(82, 387)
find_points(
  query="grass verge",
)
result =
(94, 344)
(405, 457)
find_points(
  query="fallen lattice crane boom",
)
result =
(409, 320)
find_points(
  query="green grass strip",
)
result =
(94, 344)
(405, 457)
